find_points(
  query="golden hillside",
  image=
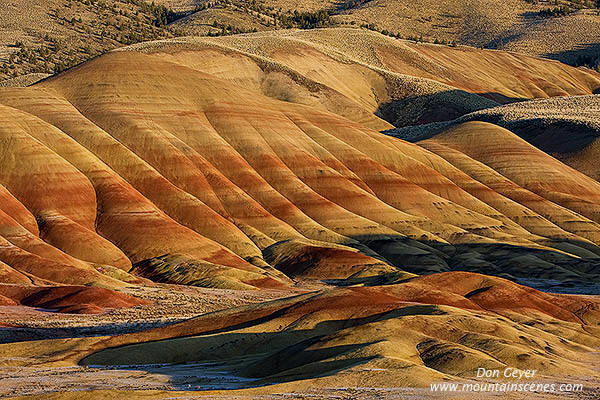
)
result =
(352, 342)
(257, 163)
(193, 159)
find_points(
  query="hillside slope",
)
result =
(567, 127)
(239, 162)
(563, 30)
(438, 328)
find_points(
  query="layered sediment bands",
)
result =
(525, 165)
(67, 299)
(306, 259)
(566, 127)
(442, 326)
(170, 161)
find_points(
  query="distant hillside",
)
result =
(573, 38)
(48, 37)
(566, 30)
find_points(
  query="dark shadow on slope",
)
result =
(259, 359)
(552, 134)
(561, 271)
(553, 271)
(514, 33)
(27, 334)
(555, 136)
(500, 98)
(499, 42)
(281, 363)
(417, 133)
(437, 107)
(477, 291)
(577, 55)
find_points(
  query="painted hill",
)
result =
(243, 162)
(260, 162)
(428, 329)
(66, 299)
(566, 127)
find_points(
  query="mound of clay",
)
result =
(185, 270)
(566, 127)
(442, 326)
(304, 259)
(242, 162)
(67, 299)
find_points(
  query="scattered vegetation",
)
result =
(270, 17)
(89, 28)
(565, 7)
(418, 39)
(227, 29)
(559, 11)
(96, 26)
(351, 4)
(305, 20)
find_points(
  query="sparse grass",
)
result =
(87, 28)
(417, 39)
(98, 25)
